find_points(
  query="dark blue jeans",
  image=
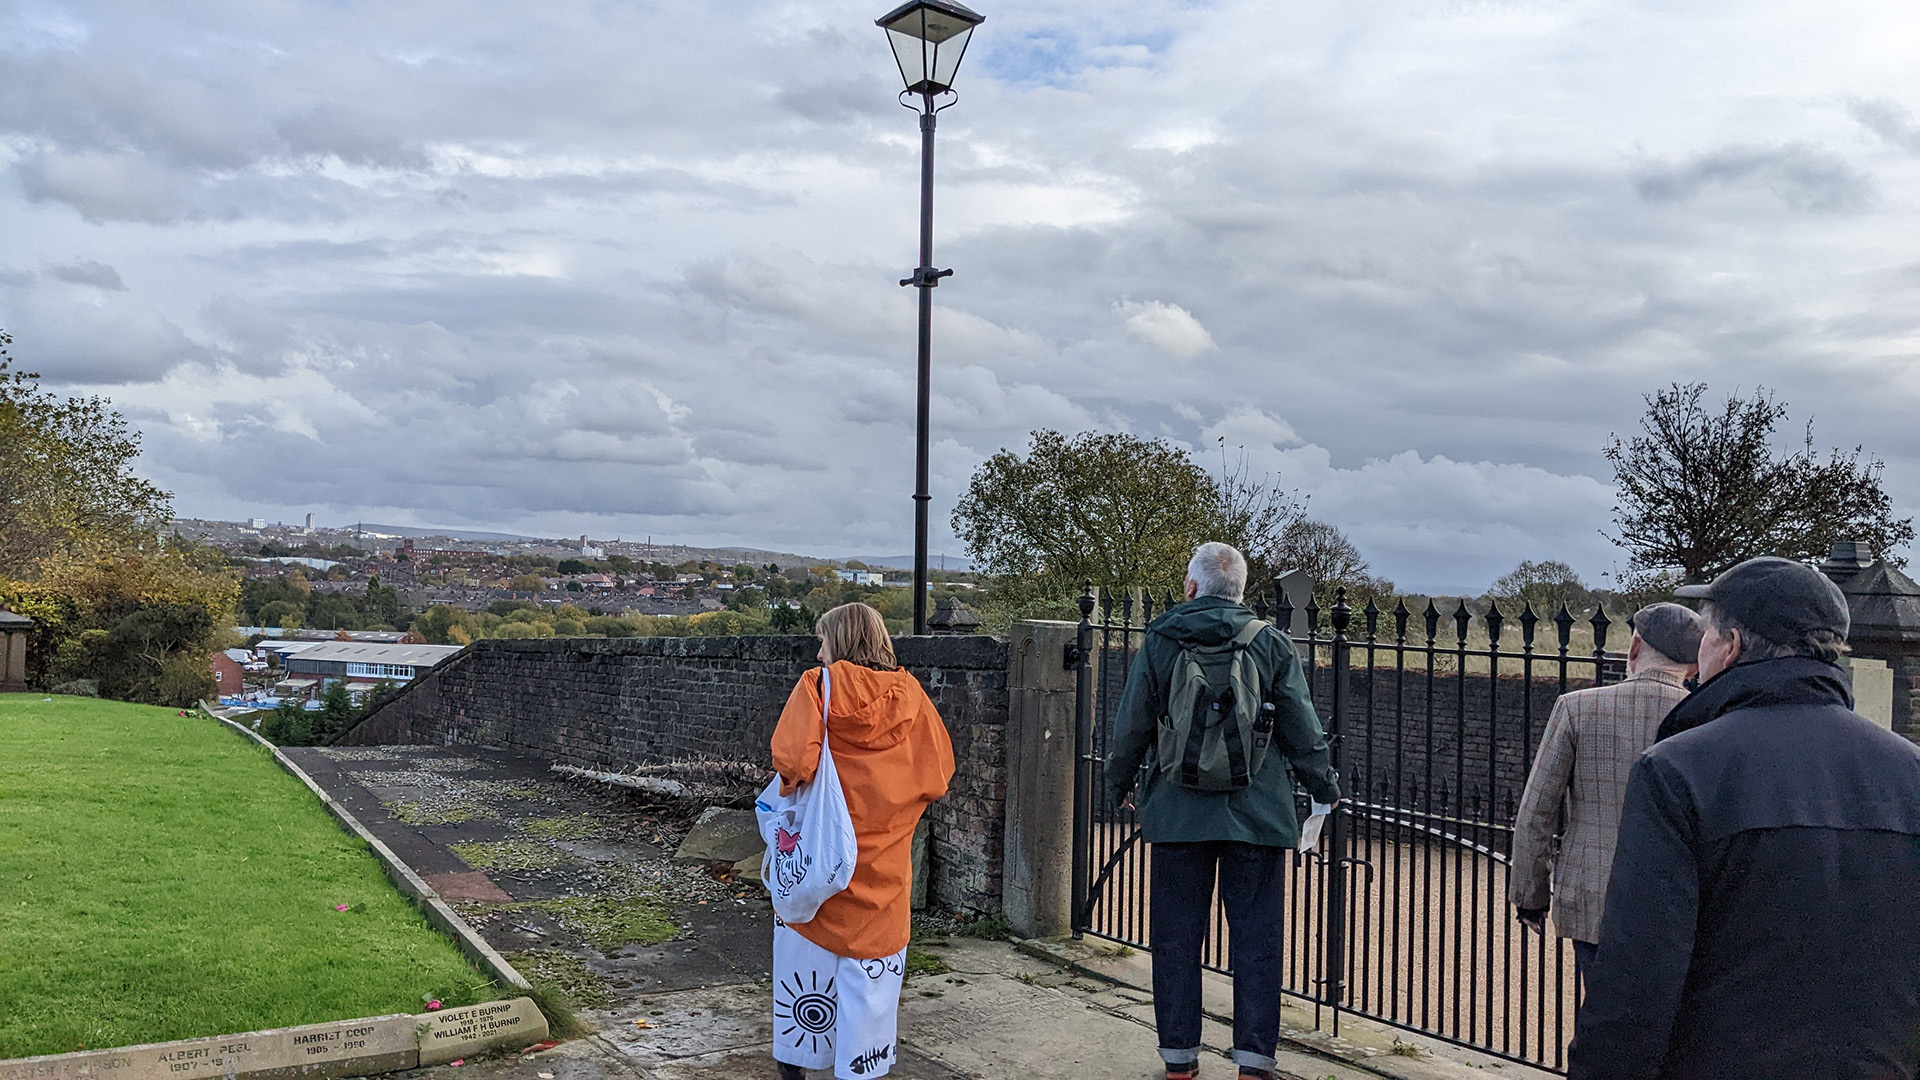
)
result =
(1583, 954)
(1251, 889)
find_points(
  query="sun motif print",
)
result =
(804, 1012)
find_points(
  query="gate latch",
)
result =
(1072, 656)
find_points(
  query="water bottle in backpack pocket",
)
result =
(1218, 725)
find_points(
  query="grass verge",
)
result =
(165, 879)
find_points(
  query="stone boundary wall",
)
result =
(1484, 730)
(1483, 734)
(619, 702)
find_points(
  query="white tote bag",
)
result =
(810, 843)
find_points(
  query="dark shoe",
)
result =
(1188, 1071)
(1248, 1072)
(791, 1072)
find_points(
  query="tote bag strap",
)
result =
(826, 703)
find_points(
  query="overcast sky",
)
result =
(631, 268)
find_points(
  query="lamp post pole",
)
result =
(928, 38)
(924, 278)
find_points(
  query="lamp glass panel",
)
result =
(946, 57)
(910, 52)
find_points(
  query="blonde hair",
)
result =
(857, 633)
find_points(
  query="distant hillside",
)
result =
(452, 534)
(905, 562)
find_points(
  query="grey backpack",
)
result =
(1215, 734)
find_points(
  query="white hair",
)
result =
(1219, 570)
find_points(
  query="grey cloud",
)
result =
(633, 266)
(324, 130)
(831, 102)
(107, 187)
(1888, 120)
(88, 272)
(1803, 177)
(73, 343)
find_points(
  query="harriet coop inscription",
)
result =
(347, 1048)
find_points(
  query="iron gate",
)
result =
(1401, 916)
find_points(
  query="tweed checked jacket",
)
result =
(1591, 742)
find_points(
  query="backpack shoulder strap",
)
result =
(1248, 632)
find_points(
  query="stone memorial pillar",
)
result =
(1037, 864)
(1885, 606)
(14, 629)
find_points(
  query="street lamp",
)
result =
(928, 37)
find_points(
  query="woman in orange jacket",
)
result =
(837, 976)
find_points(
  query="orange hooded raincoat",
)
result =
(894, 758)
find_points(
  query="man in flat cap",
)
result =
(1580, 777)
(1763, 919)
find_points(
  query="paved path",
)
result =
(699, 1006)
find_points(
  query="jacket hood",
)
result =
(1761, 684)
(871, 709)
(1204, 620)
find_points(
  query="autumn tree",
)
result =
(1702, 488)
(83, 552)
(1115, 509)
(67, 483)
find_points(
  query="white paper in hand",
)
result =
(1310, 829)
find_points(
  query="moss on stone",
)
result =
(508, 855)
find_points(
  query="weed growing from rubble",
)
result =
(508, 855)
(925, 963)
(408, 812)
(564, 827)
(565, 976)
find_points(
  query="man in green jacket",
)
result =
(1240, 835)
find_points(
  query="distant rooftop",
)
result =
(360, 652)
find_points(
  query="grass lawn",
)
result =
(162, 878)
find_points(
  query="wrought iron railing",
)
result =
(1401, 915)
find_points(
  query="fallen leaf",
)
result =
(641, 1024)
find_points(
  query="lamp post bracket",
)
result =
(926, 277)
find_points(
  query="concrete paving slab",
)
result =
(471, 885)
(997, 1026)
(691, 1023)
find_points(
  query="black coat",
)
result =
(1763, 917)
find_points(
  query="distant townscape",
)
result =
(354, 611)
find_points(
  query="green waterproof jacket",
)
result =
(1260, 813)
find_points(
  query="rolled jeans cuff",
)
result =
(1251, 1060)
(1180, 1057)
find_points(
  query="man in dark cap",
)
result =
(1763, 918)
(1579, 778)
